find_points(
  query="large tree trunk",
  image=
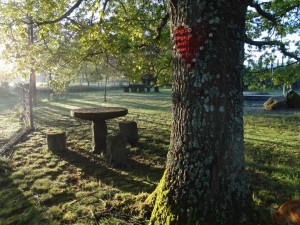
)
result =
(204, 181)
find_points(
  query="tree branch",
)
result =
(289, 9)
(66, 14)
(166, 67)
(123, 6)
(265, 70)
(161, 26)
(75, 23)
(272, 17)
(273, 43)
(263, 13)
(103, 11)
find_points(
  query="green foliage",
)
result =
(123, 35)
(273, 26)
(262, 77)
(277, 19)
(132, 37)
(25, 53)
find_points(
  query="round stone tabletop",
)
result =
(99, 114)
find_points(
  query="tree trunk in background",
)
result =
(105, 88)
(32, 79)
(31, 98)
(204, 181)
(33, 86)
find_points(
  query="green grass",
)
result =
(9, 117)
(77, 187)
(272, 143)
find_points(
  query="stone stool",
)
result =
(128, 129)
(116, 150)
(56, 140)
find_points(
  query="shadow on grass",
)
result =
(59, 115)
(274, 177)
(137, 177)
(56, 116)
(268, 189)
(143, 106)
(268, 152)
(15, 208)
(269, 142)
(133, 181)
(66, 104)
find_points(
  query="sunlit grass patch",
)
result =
(272, 142)
(42, 185)
(10, 118)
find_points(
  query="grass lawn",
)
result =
(77, 187)
(9, 117)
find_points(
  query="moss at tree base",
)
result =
(161, 213)
(165, 214)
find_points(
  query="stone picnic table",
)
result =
(98, 116)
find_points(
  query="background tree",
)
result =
(134, 30)
(272, 28)
(66, 35)
(20, 33)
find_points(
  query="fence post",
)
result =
(30, 105)
(27, 105)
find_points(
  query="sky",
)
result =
(280, 58)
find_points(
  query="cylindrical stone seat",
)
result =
(133, 89)
(293, 99)
(141, 89)
(116, 150)
(128, 129)
(56, 140)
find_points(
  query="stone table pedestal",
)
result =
(98, 116)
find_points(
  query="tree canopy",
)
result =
(67, 34)
(272, 31)
(135, 37)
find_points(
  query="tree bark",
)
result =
(204, 181)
